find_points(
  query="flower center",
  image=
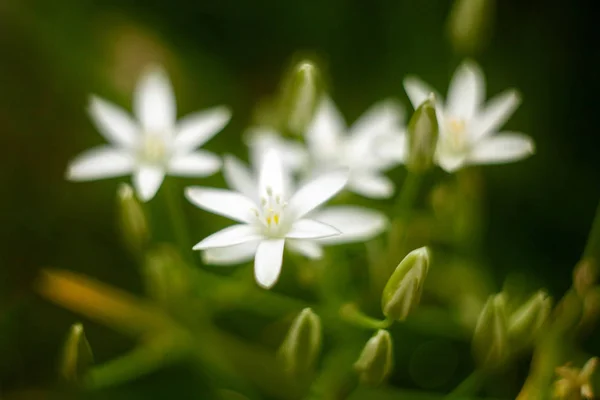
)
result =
(456, 134)
(153, 149)
(270, 216)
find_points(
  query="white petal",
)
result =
(100, 162)
(357, 224)
(316, 192)
(271, 174)
(308, 248)
(391, 149)
(223, 202)
(147, 180)
(154, 101)
(371, 185)
(326, 130)
(262, 139)
(496, 113)
(196, 129)
(418, 91)
(466, 91)
(450, 161)
(239, 177)
(230, 236)
(199, 163)
(237, 254)
(113, 123)
(268, 260)
(311, 229)
(502, 148)
(381, 119)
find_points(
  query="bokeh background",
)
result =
(536, 213)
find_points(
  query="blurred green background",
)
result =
(537, 213)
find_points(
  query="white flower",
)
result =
(364, 148)
(152, 146)
(467, 126)
(356, 224)
(262, 139)
(267, 223)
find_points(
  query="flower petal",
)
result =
(230, 236)
(381, 119)
(391, 149)
(199, 163)
(316, 192)
(371, 184)
(100, 162)
(236, 254)
(196, 129)
(450, 161)
(357, 224)
(154, 101)
(147, 180)
(466, 91)
(418, 91)
(267, 262)
(239, 177)
(311, 229)
(308, 248)
(113, 123)
(326, 130)
(223, 202)
(502, 148)
(496, 113)
(271, 178)
(261, 139)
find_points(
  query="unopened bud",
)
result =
(469, 24)
(132, 219)
(490, 340)
(376, 360)
(423, 133)
(585, 275)
(77, 355)
(402, 293)
(165, 275)
(528, 320)
(301, 91)
(302, 345)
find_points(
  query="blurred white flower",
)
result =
(468, 127)
(356, 224)
(262, 139)
(154, 145)
(268, 222)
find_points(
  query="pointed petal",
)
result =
(239, 177)
(502, 148)
(357, 224)
(497, 111)
(100, 162)
(271, 174)
(113, 122)
(147, 180)
(308, 248)
(382, 118)
(372, 185)
(311, 229)
(223, 202)
(230, 236)
(154, 101)
(317, 192)
(418, 91)
(326, 131)
(466, 91)
(199, 163)
(260, 140)
(450, 162)
(268, 260)
(237, 254)
(196, 129)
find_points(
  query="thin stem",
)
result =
(177, 219)
(470, 386)
(408, 194)
(352, 314)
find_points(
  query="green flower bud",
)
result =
(585, 275)
(469, 24)
(166, 276)
(402, 292)
(133, 223)
(77, 355)
(301, 91)
(423, 133)
(490, 340)
(376, 361)
(302, 345)
(527, 321)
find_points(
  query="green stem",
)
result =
(352, 314)
(177, 219)
(470, 386)
(408, 194)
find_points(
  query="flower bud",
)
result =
(585, 275)
(302, 345)
(301, 90)
(77, 355)
(165, 275)
(527, 321)
(402, 292)
(469, 24)
(490, 340)
(376, 361)
(422, 136)
(132, 220)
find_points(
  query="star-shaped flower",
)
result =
(574, 383)
(268, 223)
(152, 146)
(468, 128)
